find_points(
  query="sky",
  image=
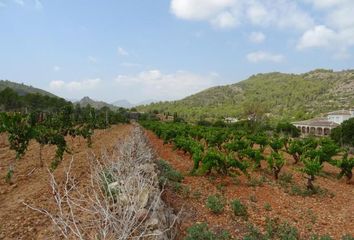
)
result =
(142, 50)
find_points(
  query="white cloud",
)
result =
(319, 36)
(342, 17)
(257, 37)
(158, 85)
(122, 52)
(258, 14)
(230, 13)
(92, 59)
(336, 32)
(86, 84)
(56, 68)
(338, 41)
(224, 20)
(57, 84)
(19, 2)
(328, 3)
(199, 9)
(263, 56)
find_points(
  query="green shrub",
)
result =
(200, 231)
(196, 194)
(348, 237)
(167, 173)
(286, 177)
(256, 182)
(325, 237)
(238, 208)
(221, 187)
(253, 234)
(267, 207)
(278, 230)
(215, 203)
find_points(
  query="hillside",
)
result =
(23, 89)
(292, 96)
(95, 104)
(123, 103)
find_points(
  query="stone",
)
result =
(143, 198)
(113, 186)
(152, 223)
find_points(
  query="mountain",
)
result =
(145, 102)
(126, 104)
(23, 89)
(123, 103)
(95, 104)
(279, 95)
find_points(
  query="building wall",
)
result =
(338, 118)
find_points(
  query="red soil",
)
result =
(332, 214)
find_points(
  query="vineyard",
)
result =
(94, 179)
(107, 191)
(223, 165)
(52, 129)
(225, 150)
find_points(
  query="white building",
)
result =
(340, 116)
(231, 120)
(323, 126)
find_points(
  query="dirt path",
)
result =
(332, 214)
(32, 183)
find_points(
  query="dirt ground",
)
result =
(331, 213)
(31, 183)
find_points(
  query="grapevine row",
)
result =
(224, 150)
(52, 129)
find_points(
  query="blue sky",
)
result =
(167, 49)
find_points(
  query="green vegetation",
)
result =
(267, 207)
(346, 165)
(200, 231)
(215, 203)
(283, 96)
(276, 161)
(22, 89)
(51, 128)
(233, 149)
(238, 208)
(10, 100)
(275, 229)
(168, 175)
(344, 134)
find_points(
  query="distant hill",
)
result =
(280, 95)
(95, 104)
(123, 103)
(126, 104)
(146, 102)
(23, 89)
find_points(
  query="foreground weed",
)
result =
(197, 194)
(200, 231)
(256, 182)
(215, 203)
(267, 207)
(239, 209)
